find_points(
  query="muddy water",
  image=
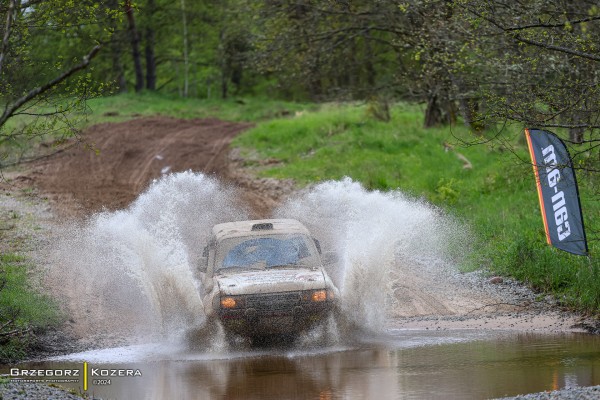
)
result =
(402, 364)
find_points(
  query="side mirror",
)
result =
(329, 257)
(317, 245)
(203, 264)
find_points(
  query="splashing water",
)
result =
(373, 234)
(133, 271)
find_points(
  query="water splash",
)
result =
(374, 234)
(133, 271)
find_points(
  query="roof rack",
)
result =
(262, 227)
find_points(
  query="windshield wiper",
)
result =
(287, 265)
(238, 267)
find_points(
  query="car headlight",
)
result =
(228, 302)
(232, 302)
(319, 295)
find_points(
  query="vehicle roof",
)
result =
(244, 228)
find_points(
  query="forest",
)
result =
(484, 64)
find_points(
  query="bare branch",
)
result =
(16, 332)
(571, 126)
(558, 48)
(8, 323)
(547, 46)
(560, 25)
(12, 109)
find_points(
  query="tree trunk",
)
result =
(135, 47)
(576, 134)
(224, 86)
(440, 110)
(433, 113)
(150, 60)
(116, 51)
(149, 49)
(7, 32)
(117, 66)
(186, 61)
(469, 108)
(224, 65)
(314, 79)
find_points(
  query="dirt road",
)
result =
(114, 162)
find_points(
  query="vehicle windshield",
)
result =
(266, 252)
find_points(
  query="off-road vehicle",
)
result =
(265, 277)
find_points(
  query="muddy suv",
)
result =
(265, 277)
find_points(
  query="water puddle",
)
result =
(403, 364)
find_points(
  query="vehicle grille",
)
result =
(277, 301)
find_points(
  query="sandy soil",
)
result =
(114, 162)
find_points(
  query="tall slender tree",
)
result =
(134, 38)
(149, 46)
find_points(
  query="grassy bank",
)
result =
(23, 311)
(489, 185)
(128, 105)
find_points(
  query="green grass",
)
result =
(129, 105)
(496, 196)
(23, 310)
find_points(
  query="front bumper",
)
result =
(275, 313)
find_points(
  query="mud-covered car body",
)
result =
(265, 277)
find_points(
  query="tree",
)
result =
(40, 76)
(150, 46)
(534, 62)
(549, 77)
(134, 37)
(327, 49)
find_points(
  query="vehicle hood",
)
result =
(277, 280)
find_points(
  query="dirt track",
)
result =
(114, 162)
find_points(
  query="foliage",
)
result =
(45, 44)
(535, 63)
(543, 63)
(491, 62)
